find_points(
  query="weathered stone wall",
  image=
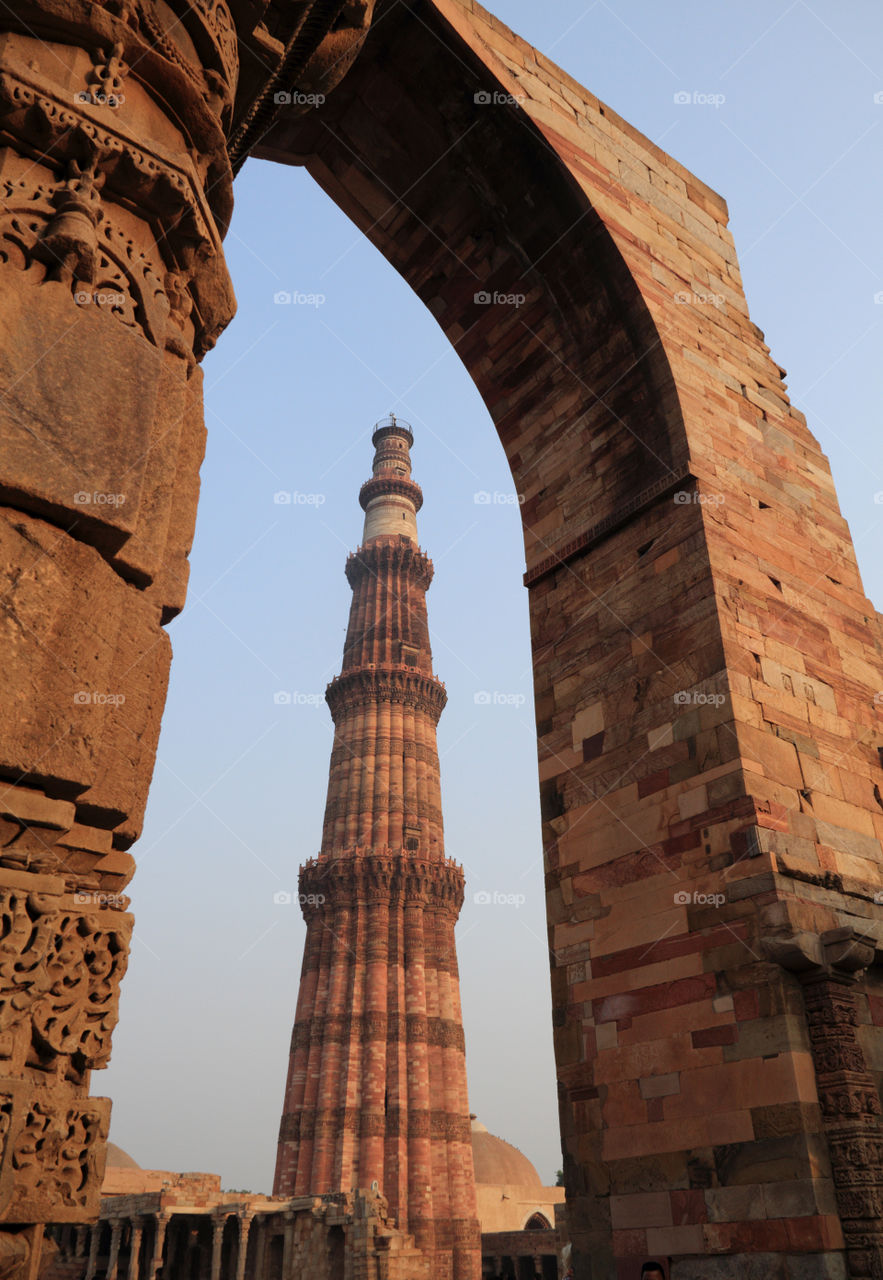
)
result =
(117, 191)
(705, 658)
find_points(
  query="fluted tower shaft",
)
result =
(376, 1087)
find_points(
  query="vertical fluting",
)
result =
(376, 1088)
(329, 1083)
(380, 816)
(419, 1144)
(374, 1031)
(395, 1145)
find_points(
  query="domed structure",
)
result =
(117, 1158)
(499, 1163)
(509, 1193)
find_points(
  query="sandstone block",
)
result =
(86, 672)
(74, 433)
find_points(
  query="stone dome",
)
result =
(498, 1162)
(117, 1158)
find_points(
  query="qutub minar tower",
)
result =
(376, 1088)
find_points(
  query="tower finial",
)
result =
(391, 499)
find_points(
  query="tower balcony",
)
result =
(398, 683)
(382, 486)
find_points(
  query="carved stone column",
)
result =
(218, 1225)
(92, 1264)
(288, 1247)
(828, 967)
(115, 195)
(134, 1251)
(116, 192)
(162, 1222)
(261, 1247)
(245, 1220)
(116, 1232)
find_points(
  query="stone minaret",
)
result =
(376, 1086)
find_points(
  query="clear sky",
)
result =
(201, 1051)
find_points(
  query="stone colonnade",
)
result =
(191, 1234)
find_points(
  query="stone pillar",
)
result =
(116, 192)
(116, 189)
(829, 967)
(218, 1224)
(245, 1220)
(260, 1248)
(116, 1232)
(288, 1248)
(134, 1251)
(93, 1251)
(156, 1261)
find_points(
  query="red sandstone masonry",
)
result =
(376, 1090)
(695, 750)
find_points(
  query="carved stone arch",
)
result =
(465, 203)
(590, 286)
(536, 1220)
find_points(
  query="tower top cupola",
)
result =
(391, 499)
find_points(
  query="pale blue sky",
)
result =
(292, 392)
